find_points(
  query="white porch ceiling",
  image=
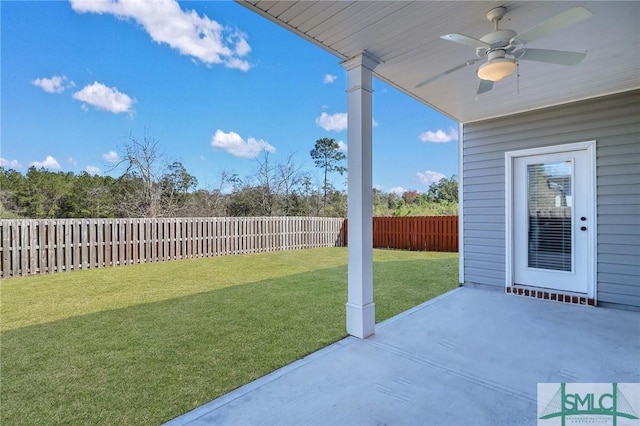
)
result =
(405, 37)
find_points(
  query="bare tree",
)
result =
(218, 200)
(143, 163)
(279, 186)
(266, 180)
(289, 181)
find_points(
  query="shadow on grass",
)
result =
(149, 363)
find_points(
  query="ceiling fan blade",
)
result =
(559, 57)
(562, 20)
(484, 86)
(466, 40)
(447, 72)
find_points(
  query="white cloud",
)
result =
(10, 164)
(336, 122)
(429, 177)
(111, 157)
(234, 144)
(72, 161)
(93, 170)
(48, 163)
(342, 146)
(105, 98)
(240, 64)
(242, 47)
(439, 136)
(329, 78)
(397, 190)
(184, 30)
(55, 84)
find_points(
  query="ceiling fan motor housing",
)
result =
(497, 40)
(500, 38)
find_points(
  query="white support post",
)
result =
(360, 306)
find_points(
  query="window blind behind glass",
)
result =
(549, 194)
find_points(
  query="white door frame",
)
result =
(590, 148)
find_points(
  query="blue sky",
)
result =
(215, 84)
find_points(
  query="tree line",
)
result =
(149, 186)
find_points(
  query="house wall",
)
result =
(614, 122)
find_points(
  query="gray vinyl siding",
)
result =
(614, 122)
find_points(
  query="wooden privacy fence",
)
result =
(428, 233)
(57, 245)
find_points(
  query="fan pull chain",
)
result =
(517, 76)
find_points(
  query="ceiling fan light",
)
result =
(496, 69)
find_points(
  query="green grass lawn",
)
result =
(143, 344)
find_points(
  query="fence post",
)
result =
(5, 230)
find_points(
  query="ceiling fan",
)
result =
(501, 49)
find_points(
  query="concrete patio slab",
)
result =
(469, 357)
